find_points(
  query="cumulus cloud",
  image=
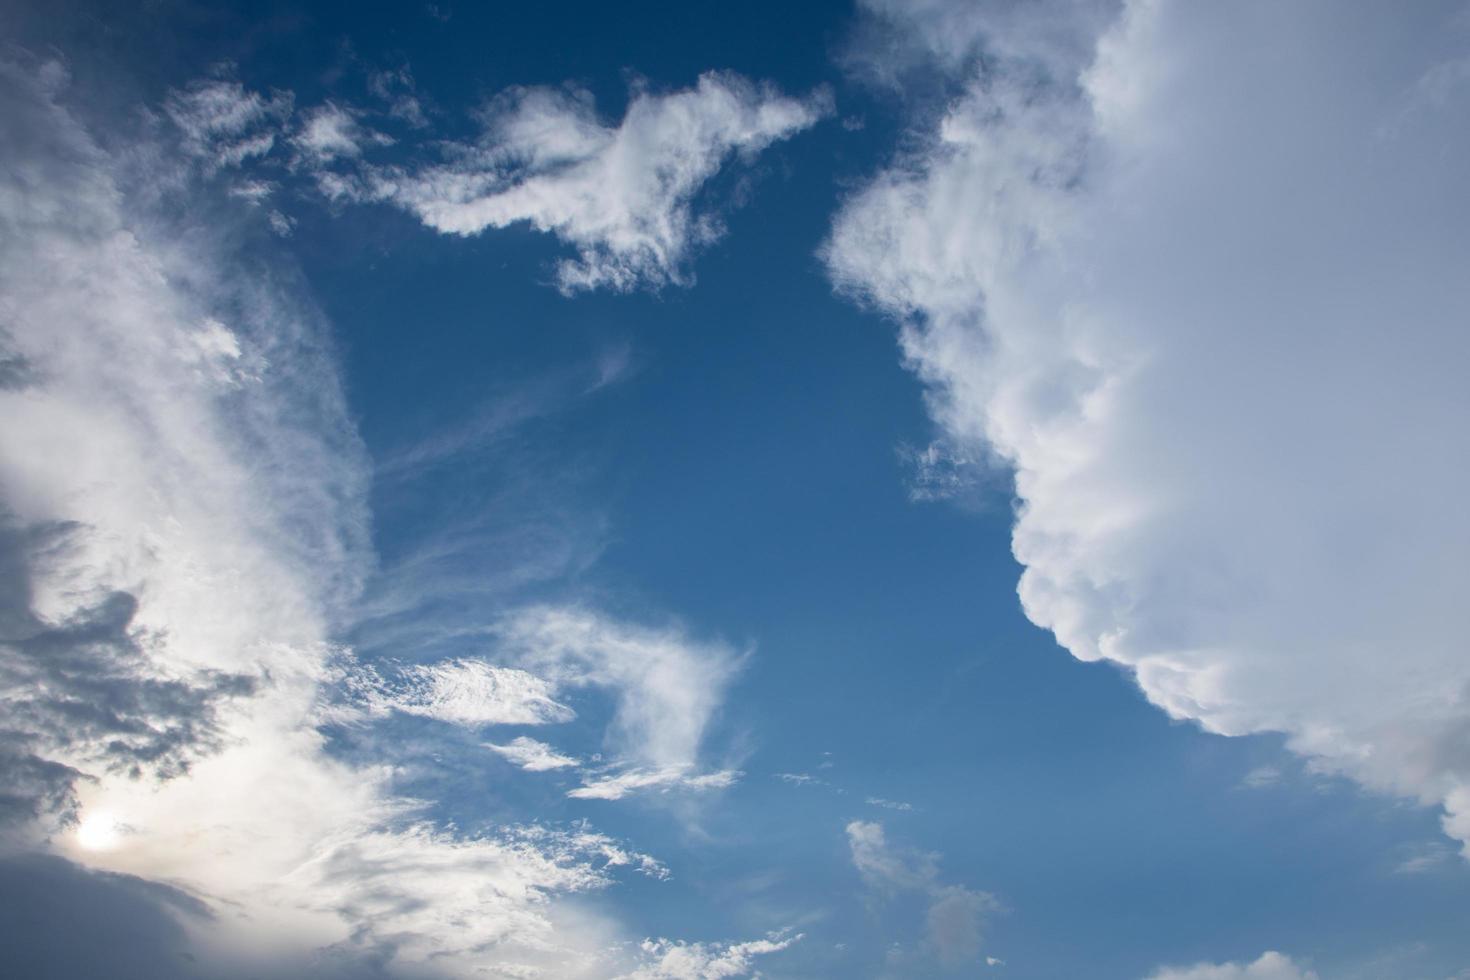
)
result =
(1271, 966)
(955, 919)
(533, 756)
(184, 530)
(665, 959)
(1196, 277)
(623, 196)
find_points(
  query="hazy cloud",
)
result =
(1271, 966)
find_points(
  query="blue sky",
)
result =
(542, 490)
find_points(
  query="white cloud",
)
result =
(672, 960)
(466, 692)
(883, 868)
(184, 526)
(666, 686)
(955, 919)
(630, 781)
(1270, 966)
(890, 804)
(224, 124)
(622, 196)
(1200, 283)
(333, 132)
(534, 756)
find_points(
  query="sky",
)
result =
(945, 488)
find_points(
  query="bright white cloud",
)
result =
(1199, 281)
(624, 196)
(465, 692)
(1271, 966)
(631, 781)
(533, 756)
(184, 526)
(665, 959)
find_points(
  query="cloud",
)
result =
(397, 91)
(223, 124)
(1271, 966)
(666, 686)
(890, 804)
(955, 919)
(630, 781)
(533, 756)
(881, 867)
(184, 531)
(1261, 777)
(673, 960)
(333, 132)
(624, 197)
(940, 472)
(427, 895)
(1423, 858)
(463, 692)
(1198, 281)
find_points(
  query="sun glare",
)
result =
(98, 831)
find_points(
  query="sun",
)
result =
(99, 831)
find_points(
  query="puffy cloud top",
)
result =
(1202, 288)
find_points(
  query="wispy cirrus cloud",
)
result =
(185, 533)
(224, 124)
(664, 688)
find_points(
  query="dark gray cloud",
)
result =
(86, 687)
(63, 921)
